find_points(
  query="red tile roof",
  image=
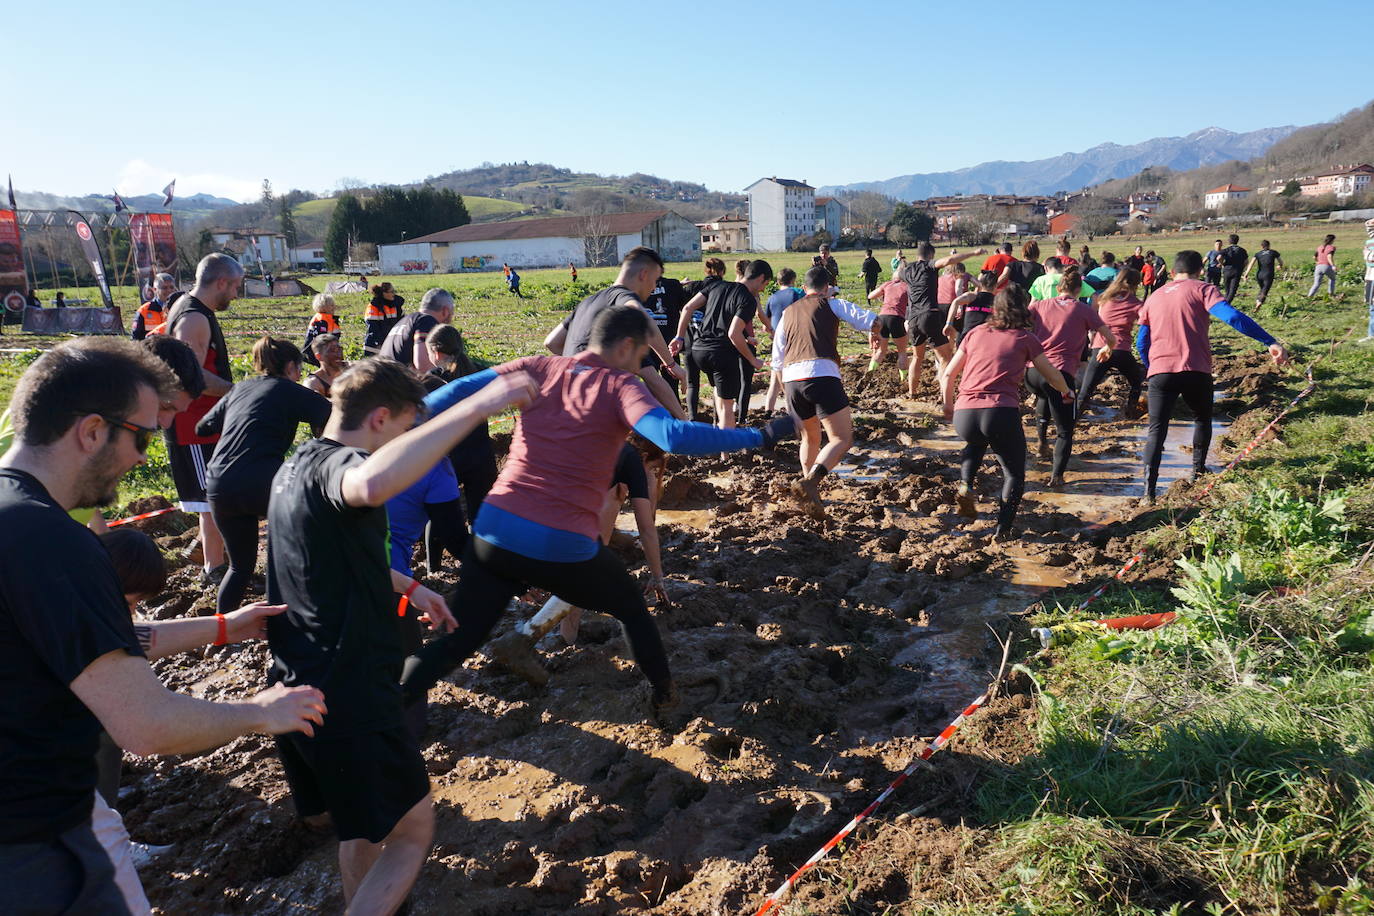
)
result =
(1226, 188)
(551, 227)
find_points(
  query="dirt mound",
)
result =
(815, 653)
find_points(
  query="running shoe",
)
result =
(964, 500)
(515, 652)
(807, 490)
(213, 577)
(1046, 450)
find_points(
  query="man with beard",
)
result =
(70, 658)
(192, 320)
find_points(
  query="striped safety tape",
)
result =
(140, 517)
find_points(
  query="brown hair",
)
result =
(1030, 251)
(141, 567)
(447, 341)
(1123, 284)
(95, 375)
(271, 356)
(741, 267)
(1070, 281)
(715, 266)
(379, 288)
(372, 383)
(1011, 310)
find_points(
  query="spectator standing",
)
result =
(152, 314)
(831, 266)
(381, 316)
(1369, 279)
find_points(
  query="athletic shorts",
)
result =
(892, 326)
(70, 874)
(927, 327)
(367, 782)
(811, 396)
(188, 464)
(725, 370)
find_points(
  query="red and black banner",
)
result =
(14, 283)
(91, 249)
(155, 244)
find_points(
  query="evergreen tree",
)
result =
(345, 225)
(288, 224)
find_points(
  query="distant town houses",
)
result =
(1340, 181)
(727, 232)
(1216, 198)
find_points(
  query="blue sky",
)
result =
(130, 95)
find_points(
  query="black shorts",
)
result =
(367, 782)
(927, 327)
(188, 463)
(892, 326)
(725, 369)
(811, 396)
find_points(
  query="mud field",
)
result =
(823, 651)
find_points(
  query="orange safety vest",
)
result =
(387, 310)
(153, 318)
(324, 323)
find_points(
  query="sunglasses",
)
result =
(142, 434)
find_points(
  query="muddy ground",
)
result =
(836, 646)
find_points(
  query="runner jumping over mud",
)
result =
(1177, 352)
(540, 524)
(988, 369)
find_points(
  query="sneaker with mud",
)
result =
(515, 652)
(965, 503)
(1046, 450)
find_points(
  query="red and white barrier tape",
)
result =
(140, 517)
(775, 898)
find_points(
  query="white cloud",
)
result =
(141, 177)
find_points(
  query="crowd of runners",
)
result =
(401, 459)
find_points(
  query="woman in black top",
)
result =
(973, 307)
(473, 459)
(381, 316)
(256, 422)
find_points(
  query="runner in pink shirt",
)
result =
(891, 324)
(988, 369)
(540, 524)
(1325, 268)
(1118, 307)
(1177, 353)
(1062, 325)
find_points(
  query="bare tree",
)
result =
(598, 243)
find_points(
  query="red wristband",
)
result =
(405, 599)
(223, 636)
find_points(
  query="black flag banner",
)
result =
(92, 251)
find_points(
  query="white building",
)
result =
(554, 242)
(830, 217)
(308, 255)
(254, 248)
(780, 209)
(1214, 198)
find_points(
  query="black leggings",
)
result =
(1230, 283)
(746, 388)
(492, 576)
(1122, 361)
(1165, 389)
(693, 385)
(1050, 405)
(1265, 281)
(447, 529)
(477, 480)
(237, 515)
(998, 428)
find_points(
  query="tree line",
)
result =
(390, 215)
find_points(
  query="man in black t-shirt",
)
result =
(925, 319)
(664, 306)
(871, 270)
(71, 659)
(405, 342)
(720, 348)
(1264, 262)
(640, 272)
(328, 561)
(1233, 259)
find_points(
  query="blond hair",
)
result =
(320, 301)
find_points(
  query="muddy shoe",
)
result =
(668, 710)
(1046, 450)
(516, 654)
(211, 578)
(808, 491)
(965, 504)
(1133, 408)
(1056, 482)
(1003, 535)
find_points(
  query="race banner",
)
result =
(154, 244)
(14, 283)
(73, 321)
(91, 249)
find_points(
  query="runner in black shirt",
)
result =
(71, 659)
(1025, 271)
(1233, 258)
(1264, 262)
(327, 560)
(664, 306)
(715, 273)
(871, 270)
(720, 348)
(640, 271)
(925, 320)
(256, 424)
(405, 341)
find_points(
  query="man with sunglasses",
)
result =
(71, 659)
(192, 320)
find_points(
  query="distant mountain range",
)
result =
(197, 204)
(1071, 171)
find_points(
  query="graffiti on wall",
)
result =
(479, 262)
(415, 266)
